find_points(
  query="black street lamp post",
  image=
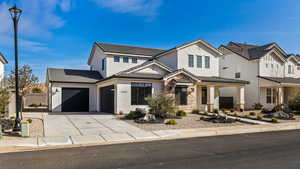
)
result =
(15, 14)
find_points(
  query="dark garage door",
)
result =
(75, 99)
(226, 102)
(107, 99)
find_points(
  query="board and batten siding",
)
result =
(56, 100)
(266, 68)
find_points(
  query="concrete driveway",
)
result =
(83, 124)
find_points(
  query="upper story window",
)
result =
(134, 60)
(116, 58)
(207, 62)
(191, 61)
(125, 59)
(238, 75)
(139, 91)
(103, 64)
(289, 69)
(199, 61)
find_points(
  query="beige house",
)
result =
(121, 77)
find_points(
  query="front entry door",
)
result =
(107, 99)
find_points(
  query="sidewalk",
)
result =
(48, 142)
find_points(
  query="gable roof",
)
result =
(125, 49)
(252, 52)
(148, 63)
(73, 76)
(285, 80)
(188, 44)
(183, 71)
(3, 59)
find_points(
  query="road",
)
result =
(274, 150)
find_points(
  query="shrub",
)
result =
(222, 110)
(252, 113)
(161, 105)
(33, 105)
(274, 120)
(259, 117)
(226, 112)
(12, 117)
(247, 116)
(237, 119)
(277, 108)
(195, 111)
(29, 120)
(265, 111)
(294, 103)
(241, 110)
(171, 122)
(257, 106)
(232, 110)
(216, 111)
(138, 113)
(202, 118)
(215, 121)
(121, 112)
(4, 99)
(206, 113)
(36, 90)
(235, 114)
(181, 113)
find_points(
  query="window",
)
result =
(181, 95)
(207, 62)
(116, 58)
(199, 61)
(271, 95)
(125, 59)
(289, 69)
(191, 61)
(134, 60)
(103, 64)
(266, 65)
(238, 75)
(139, 91)
(204, 95)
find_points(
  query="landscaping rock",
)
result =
(280, 115)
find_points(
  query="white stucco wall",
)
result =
(56, 100)
(96, 62)
(123, 100)
(232, 63)
(198, 49)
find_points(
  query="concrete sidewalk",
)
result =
(40, 142)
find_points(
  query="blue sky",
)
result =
(60, 33)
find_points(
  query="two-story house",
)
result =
(273, 74)
(121, 77)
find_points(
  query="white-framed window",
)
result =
(134, 59)
(199, 61)
(238, 75)
(125, 59)
(271, 95)
(116, 58)
(191, 60)
(103, 64)
(207, 62)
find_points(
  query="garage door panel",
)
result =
(75, 99)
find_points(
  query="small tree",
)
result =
(36, 90)
(294, 104)
(161, 105)
(4, 99)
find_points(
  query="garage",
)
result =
(75, 99)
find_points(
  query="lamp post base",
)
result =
(17, 126)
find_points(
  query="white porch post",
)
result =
(240, 99)
(211, 98)
(280, 95)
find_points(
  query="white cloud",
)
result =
(146, 8)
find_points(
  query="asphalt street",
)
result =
(274, 150)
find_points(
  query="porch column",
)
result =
(240, 99)
(280, 95)
(210, 98)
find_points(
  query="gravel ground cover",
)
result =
(190, 121)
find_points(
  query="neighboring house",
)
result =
(3, 61)
(120, 77)
(274, 75)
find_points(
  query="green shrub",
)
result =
(216, 111)
(257, 106)
(215, 121)
(29, 121)
(265, 111)
(238, 119)
(274, 120)
(202, 118)
(226, 112)
(206, 113)
(138, 113)
(12, 117)
(181, 113)
(36, 90)
(247, 116)
(195, 111)
(171, 122)
(259, 117)
(252, 114)
(33, 105)
(4, 99)
(161, 105)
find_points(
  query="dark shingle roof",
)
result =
(3, 59)
(124, 49)
(249, 51)
(221, 80)
(282, 80)
(73, 76)
(148, 63)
